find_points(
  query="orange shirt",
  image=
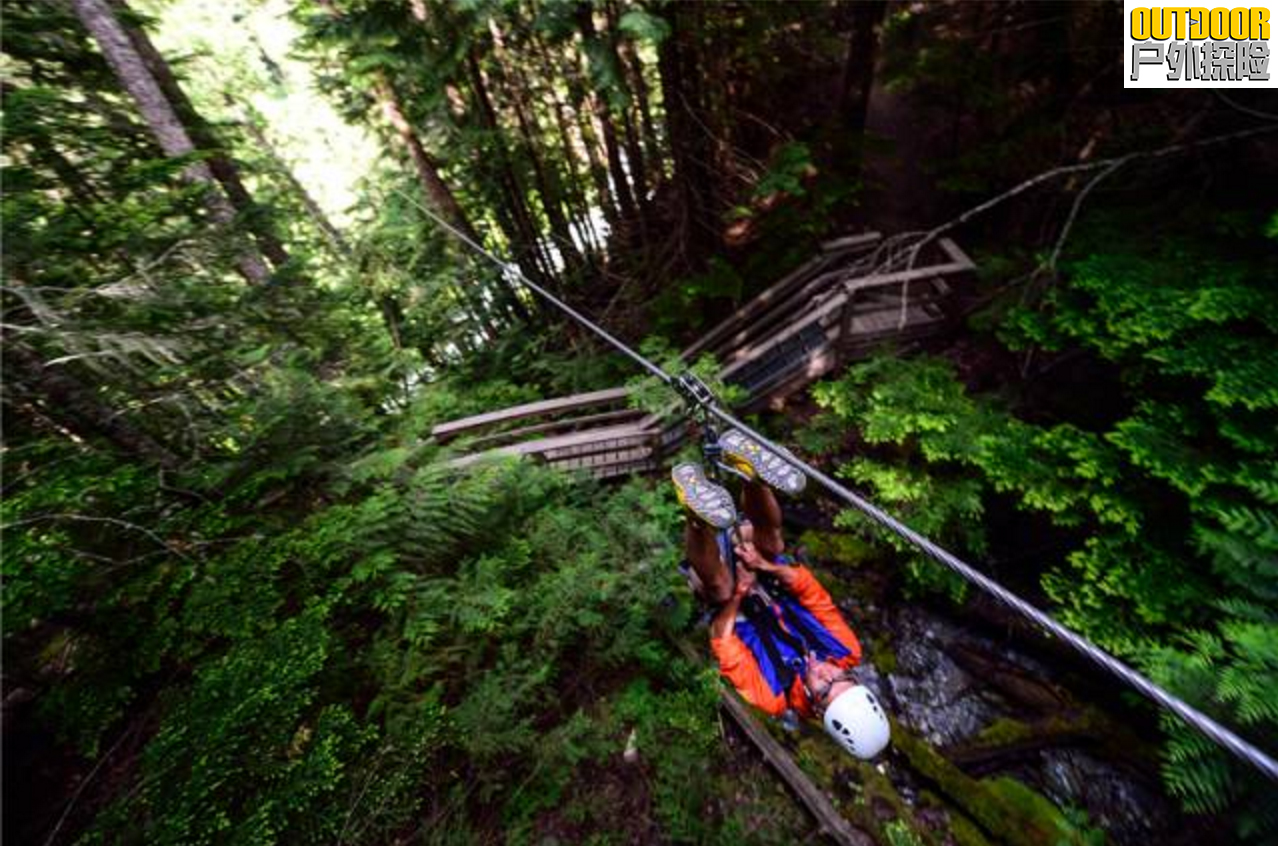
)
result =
(739, 665)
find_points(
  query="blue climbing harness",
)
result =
(780, 633)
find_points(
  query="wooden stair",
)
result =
(823, 314)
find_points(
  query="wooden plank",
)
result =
(789, 342)
(879, 321)
(572, 439)
(445, 431)
(832, 823)
(750, 354)
(604, 463)
(866, 290)
(774, 313)
(591, 440)
(774, 292)
(956, 255)
(767, 320)
(623, 470)
(811, 367)
(531, 449)
(818, 362)
(597, 448)
(589, 419)
(588, 452)
(824, 311)
(863, 239)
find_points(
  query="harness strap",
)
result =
(796, 617)
(769, 632)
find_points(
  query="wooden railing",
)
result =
(823, 314)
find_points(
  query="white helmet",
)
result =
(857, 723)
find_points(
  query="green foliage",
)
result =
(1234, 671)
(654, 397)
(452, 399)
(249, 600)
(679, 727)
(791, 164)
(644, 26)
(677, 306)
(469, 613)
(1166, 508)
(899, 833)
(246, 756)
(949, 510)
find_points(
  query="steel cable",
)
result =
(1211, 729)
(1205, 724)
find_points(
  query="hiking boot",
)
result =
(708, 502)
(758, 462)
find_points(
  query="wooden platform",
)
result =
(827, 312)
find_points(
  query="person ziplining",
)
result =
(702, 403)
(778, 637)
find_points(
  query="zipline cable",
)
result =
(1205, 724)
(511, 270)
(696, 394)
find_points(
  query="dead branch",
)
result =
(82, 518)
(1107, 166)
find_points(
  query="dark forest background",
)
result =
(247, 599)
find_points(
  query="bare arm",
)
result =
(748, 555)
(725, 622)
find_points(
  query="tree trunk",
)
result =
(575, 195)
(393, 317)
(634, 152)
(336, 241)
(433, 186)
(551, 193)
(634, 66)
(580, 204)
(73, 405)
(616, 170)
(858, 69)
(612, 149)
(525, 238)
(437, 192)
(165, 124)
(689, 148)
(551, 197)
(591, 143)
(222, 166)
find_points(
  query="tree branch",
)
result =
(81, 518)
(1107, 166)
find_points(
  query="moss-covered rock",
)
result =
(1003, 732)
(1007, 809)
(963, 831)
(867, 796)
(883, 655)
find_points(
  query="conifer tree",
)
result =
(161, 116)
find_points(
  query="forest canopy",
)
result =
(250, 594)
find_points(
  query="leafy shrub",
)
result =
(1167, 496)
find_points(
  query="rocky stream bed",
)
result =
(999, 736)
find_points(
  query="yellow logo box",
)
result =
(1198, 23)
